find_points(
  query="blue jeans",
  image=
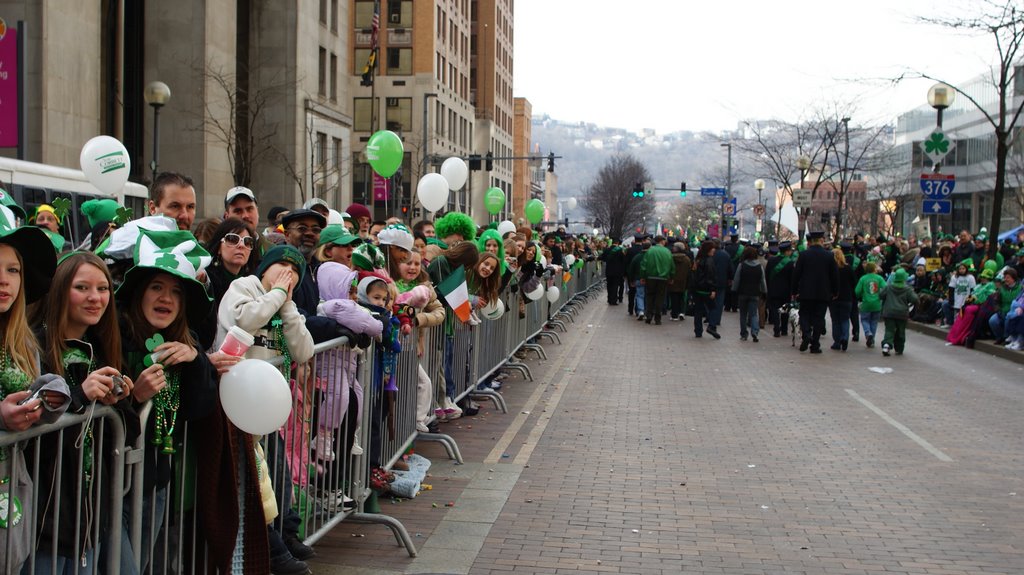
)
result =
(154, 504)
(997, 323)
(840, 312)
(716, 307)
(701, 308)
(748, 313)
(869, 322)
(46, 563)
(948, 312)
(641, 295)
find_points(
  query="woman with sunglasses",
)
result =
(231, 246)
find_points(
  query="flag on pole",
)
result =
(456, 293)
(371, 61)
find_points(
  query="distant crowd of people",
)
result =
(859, 283)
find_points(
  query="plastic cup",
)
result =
(237, 342)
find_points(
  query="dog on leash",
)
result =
(792, 309)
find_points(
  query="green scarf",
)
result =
(785, 261)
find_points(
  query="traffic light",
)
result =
(682, 190)
(551, 162)
(474, 162)
(638, 190)
(489, 164)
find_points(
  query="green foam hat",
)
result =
(176, 253)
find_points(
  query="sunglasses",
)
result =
(234, 239)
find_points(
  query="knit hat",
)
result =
(97, 210)
(358, 211)
(176, 253)
(454, 223)
(283, 253)
(899, 278)
(396, 235)
(338, 235)
(364, 285)
(39, 260)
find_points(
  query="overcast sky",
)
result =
(704, 65)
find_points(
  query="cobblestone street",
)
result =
(642, 450)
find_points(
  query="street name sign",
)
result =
(712, 192)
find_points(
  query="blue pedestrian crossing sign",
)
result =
(937, 207)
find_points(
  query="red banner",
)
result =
(8, 86)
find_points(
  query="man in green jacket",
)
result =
(656, 269)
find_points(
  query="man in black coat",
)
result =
(779, 274)
(815, 284)
(724, 269)
(614, 258)
(636, 248)
(735, 249)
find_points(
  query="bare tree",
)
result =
(237, 119)
(609, 200)
(1004, 22)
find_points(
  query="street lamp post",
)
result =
(156, 95)
(728, 182)
(940, 97)
(803, 163)
(759, 186)
(844, 181)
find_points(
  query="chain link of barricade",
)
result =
(355, 413)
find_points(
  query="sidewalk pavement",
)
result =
(982, 345)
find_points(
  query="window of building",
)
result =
(336, 148)
(399, 13)
(321, 150)
(399, 61)
(323, 12)
(334, 16)
(399, 114)
(362, 117)
(322, 73)
(364, 15)
(334, 77)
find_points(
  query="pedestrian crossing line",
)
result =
(902, 428)
(501, 447)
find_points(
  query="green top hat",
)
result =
(338, 235)
(38, 258)
(368, 257)
(176, 253)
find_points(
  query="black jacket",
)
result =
(847, 281)
(702, 280)
(614, 259)
(816, 275)
(723, 268)
(780, 282)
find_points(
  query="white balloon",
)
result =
(553, 294)
(506, 227)
(537, 293)
(455, 171)
(571, 203)
(494, 310)
(255, 396)
(432, 191)
(569, 260)
(106, 164)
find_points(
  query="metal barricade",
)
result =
(47, 495)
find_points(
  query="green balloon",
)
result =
(385, 152)
(534, 211)
(494, 200)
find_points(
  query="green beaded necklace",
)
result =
(166, 404)
(277, 326)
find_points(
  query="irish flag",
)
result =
(455, 292)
